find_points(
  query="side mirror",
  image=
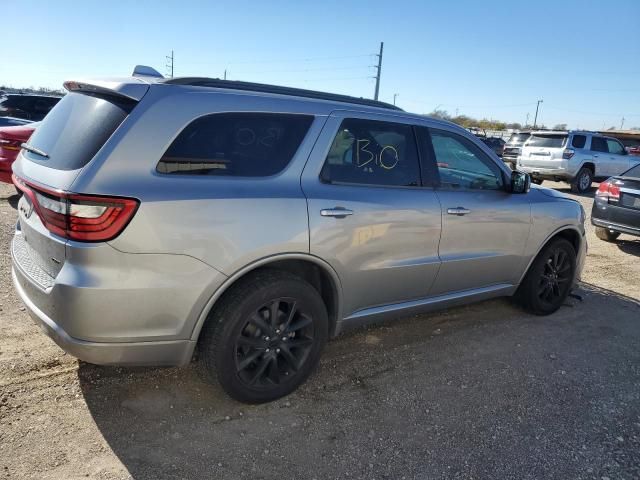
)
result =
(520, 182)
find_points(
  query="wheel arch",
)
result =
(568, 232)
(313, 269)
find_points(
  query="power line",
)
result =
(285, 61)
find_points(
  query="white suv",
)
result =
(576, 157)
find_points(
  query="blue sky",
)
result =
(485, 59)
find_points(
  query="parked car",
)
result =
(29, 107)
(635, 150)
(575, 157)
(511, 150)
(254, 226)
(616, 208)
(10, 140)
(494, 143)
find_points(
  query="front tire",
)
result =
(548, 282)
(266, 336)
(606, 234)
(582, 182)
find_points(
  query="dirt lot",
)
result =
(478, 392)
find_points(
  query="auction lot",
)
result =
(483, 391)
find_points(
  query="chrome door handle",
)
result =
(460, 211)
(337, 212)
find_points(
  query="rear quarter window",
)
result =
(579, 141)
(236, 144)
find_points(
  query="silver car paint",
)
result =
(144, 296)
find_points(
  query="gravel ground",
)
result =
(483, 391)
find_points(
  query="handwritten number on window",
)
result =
(387, 159)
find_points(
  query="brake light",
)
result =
(568, 153)
(10, 144)
(85, 218)
(609, 191)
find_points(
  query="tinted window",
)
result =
(599, 144)
(579, 141)
(372, 153)
(548, 141)
(75, 129)
(518, 138)
(461, 164)
(633, 172)
(615, 147)
(238, 144)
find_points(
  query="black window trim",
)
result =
(412, 126)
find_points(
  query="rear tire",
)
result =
(548, 282)
(265, 337)
(606, 234)
(582, 182)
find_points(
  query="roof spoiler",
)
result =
(125, 89)
(145, 71)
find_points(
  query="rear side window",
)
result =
(579, 141)
(548, 141)
(75, 129)
(599, 144)
(236, 144)
(371, 152)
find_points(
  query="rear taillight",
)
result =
(568, 153)
(609, 191)
(10, 144)
(85, 218)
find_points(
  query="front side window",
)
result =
(236, 144)
(461, 164)
(371, 152)
(615, 147)
(598, 144)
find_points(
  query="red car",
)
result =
(10, 140)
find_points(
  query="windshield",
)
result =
(73, 132)
(549, 141)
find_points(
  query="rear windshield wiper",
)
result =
(35, 150)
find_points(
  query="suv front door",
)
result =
(369, 216)
(618, 158)
(484, 227)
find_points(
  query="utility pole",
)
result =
(622, 123)
(394, 98)
(527, 120)
(535, 120)
(225, 73)
(379, 71)
(169, 64)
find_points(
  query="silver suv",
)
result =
(253, 222)
(576, 157)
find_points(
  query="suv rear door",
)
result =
(369, 216)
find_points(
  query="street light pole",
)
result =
(394, 98)
(535, 120)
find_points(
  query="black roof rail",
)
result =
(277, 89)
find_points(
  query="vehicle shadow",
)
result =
(588, 194)
(378, 392)
(632, 247)
(13, 201)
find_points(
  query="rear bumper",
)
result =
(176, 352)
(616, 227)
